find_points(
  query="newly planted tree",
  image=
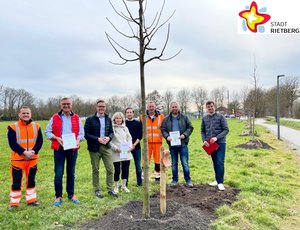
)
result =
(143, 31)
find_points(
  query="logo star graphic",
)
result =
(253, 17)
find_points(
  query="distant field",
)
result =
(269, 181)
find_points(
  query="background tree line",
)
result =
(247, 101)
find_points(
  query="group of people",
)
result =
(115, 140)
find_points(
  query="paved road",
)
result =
(290, 135)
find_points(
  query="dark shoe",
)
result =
(12, 208)
(98, 194)
(189, 184)
(139, 184)
(174, 183)
(35, 203)
(112, 193)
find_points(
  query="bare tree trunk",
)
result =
(252, 125)
(146, 202)
(250, 122)
(144, 34)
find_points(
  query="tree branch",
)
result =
(113, 43)
(159, 57)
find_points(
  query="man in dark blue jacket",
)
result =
(214, 128)
(98, 133)
(178, 123)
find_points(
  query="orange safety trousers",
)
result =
(154, 149)
(17, 169)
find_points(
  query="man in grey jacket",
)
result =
(177, 122)
(214, 128)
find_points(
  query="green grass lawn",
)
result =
(268, 179)
(287, 123)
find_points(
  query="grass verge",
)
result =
(287, 123)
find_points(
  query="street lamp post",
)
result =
(278, 107)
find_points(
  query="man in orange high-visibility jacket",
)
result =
(153, 122)
(25, 139)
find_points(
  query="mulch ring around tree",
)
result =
(254, 144)
(187, 208)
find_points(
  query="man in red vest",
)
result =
(65, 131)
(25, 139)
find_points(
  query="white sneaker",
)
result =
(221, 187)
(214, 183)
(116, 188)
(125, 189)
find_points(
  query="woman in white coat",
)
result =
(121, 145)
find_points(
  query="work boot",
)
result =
(12, 208)
(157, 176)
(35, 203)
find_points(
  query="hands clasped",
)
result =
(28, 154)
(103, 140)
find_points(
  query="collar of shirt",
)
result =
(175, 117)
(70, 114)
(100, 116)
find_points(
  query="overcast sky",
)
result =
(58, 47)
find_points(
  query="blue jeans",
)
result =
(136, 153)
(184, 158)
(218, 158)
(60, 156)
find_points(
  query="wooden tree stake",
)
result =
(164, 164)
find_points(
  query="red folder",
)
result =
(211, 148)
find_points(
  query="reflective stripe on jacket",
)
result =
(154, 128)
(26, 136)
(57, 128)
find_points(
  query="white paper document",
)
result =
(175, 136)
(69, 141)
(124, 150)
